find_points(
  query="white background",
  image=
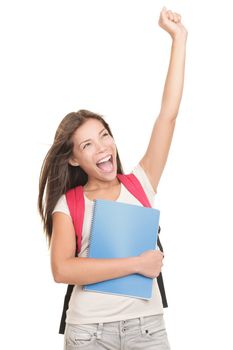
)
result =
(111, 57)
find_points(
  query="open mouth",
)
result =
(106, 166)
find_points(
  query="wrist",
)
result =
(180, 37)
(135, 264)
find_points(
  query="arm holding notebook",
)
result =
(66, 268)
(83, 271)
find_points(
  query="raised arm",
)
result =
(155, 157)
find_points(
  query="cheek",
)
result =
(111, 142)
(87, 164)
(87, 159)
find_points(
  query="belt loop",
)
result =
(142, 324)
(99, 330)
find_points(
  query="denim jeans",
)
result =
(145, 332)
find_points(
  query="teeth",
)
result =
(104, 159)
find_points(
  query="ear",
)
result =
(73, 162)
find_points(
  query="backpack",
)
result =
(76, 205)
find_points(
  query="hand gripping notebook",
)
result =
(121, 230)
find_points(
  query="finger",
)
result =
(177, 17)
(176, 14)
(164, 12)
(170, 15)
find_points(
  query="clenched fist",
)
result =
(151, 262)
(171, 22)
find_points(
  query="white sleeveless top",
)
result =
(93, 307)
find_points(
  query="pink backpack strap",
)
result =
(134, 186)
(75, 202)
(132, 183)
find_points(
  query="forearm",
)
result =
(173, 87)
(82, 271)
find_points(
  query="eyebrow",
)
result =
(90, 139)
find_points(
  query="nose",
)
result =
(100, 147)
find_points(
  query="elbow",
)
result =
(58, 275)
(57, 278)
(63, 272)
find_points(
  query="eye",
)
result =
(106, 133)
(86, 144)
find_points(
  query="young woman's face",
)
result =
(92, 142)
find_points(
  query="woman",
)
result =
(84, 153)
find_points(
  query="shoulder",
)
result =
(141, 175)
(61, 205)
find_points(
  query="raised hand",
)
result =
(171, 22)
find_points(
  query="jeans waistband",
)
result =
(122, 326)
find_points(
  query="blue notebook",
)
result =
(121, 230)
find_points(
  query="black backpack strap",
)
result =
(159, 243)
(66, 302)
(65, 307)
(162, 289)
(160, 277)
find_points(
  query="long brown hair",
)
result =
(57, 176)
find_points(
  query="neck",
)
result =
(100, 185)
